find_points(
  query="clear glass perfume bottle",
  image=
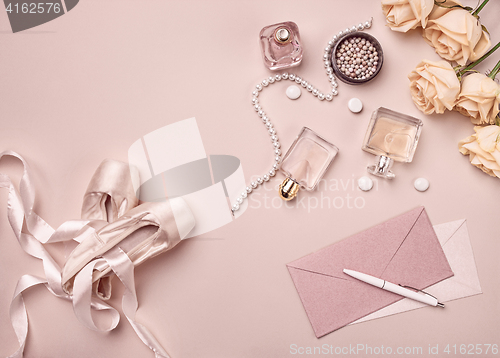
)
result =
(392, 136)
(305, 163)
(281, 46)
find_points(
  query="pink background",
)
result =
(84, 87)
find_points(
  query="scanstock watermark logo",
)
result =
(26, 14)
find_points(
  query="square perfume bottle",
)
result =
(305, 163)
(392, 136)
(281, 46)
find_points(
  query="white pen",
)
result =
(391, 287)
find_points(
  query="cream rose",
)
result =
(404, 15)
(456, 36)
(434, 86)
(479, 99)
(483, 149)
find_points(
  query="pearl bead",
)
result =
(272, 131)
(265, 119)
(239, 200)
(265, 177)
(368, 24)
(327, 64)
(335, 84)
(261, 113)
(315, 92)
(341, 33)
(325, 56)
(276, 144)
(259, 87)
(329, 97)
(354, 29)
(360, 27)
(255, 93)
(257, 107)
(328, 48)
(269, 124)
(270, 79)
(255, 100)
(249, 189)
(277, 77)
(335, 92)
(277, 159)
(236, 207)
(346, 31)
(272, 173)
(284, 76)
(276, 166)
(274, 138)
(329, 70)
(244, 194)
(265, 83)
(253, 184)
(309, 88)
(321, 96)
(335, 38)
(277, 151)
(260, 180)
(298, 79)
(291, 77)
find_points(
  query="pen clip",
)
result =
(425, 293)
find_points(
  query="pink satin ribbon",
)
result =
(20, 211)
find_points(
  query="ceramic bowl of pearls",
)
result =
(357, 58)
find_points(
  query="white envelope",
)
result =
(454, 238)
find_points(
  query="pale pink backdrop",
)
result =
(84, 87)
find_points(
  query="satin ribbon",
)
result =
(20, 211)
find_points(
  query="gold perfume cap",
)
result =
(288, 189)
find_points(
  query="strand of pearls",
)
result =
(310, 88)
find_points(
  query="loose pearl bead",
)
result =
(270, 79)
(239, 200)
(321, 96)
(277, 151)
(277, 77)
(291, 77)
(253, 184)
(315, 92)
(284, 76)
(272, 131)
(272, 173)
(274, 138)
(255, 93)
(329, 97)
(309, 88)
(244, 194)
(265, 83)
(260, 180)
(265, 177)
(249, 189)
(259, 87)
(236, 207)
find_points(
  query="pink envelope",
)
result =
(404, 250)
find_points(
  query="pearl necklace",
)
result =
(310, 88)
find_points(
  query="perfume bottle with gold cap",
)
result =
(281, 46)
(305, 163)
(392, 136)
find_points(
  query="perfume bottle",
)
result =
(281, 46)
(305, 163)
(392, 136)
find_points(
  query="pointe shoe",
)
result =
(110, 193)
(142, 233)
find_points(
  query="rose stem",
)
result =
(473, 64)
(494, 71)
(480, 7)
